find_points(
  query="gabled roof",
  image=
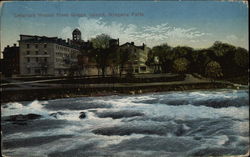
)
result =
(132, 44)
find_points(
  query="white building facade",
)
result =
(41, 55)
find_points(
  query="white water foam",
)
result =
(35, 107)
(81, 129)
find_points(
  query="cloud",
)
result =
(235, 40)
(66, 32)
(173, 35)
(150, 35)
(231, 38)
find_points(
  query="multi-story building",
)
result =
(10, 62)
(40, 55)
(137, 56)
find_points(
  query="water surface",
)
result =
(192, 123)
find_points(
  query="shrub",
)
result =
(213, 70)
(181, 65)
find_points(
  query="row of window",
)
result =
(66, 49)
(38, 71)
(36, 45)
(62, 54)
(136, 70)
(62, 71)
(66, 55)
(37, 59)
(59, 60)
(36, 52)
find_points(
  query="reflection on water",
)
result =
(190, 123)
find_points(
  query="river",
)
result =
(190, 123)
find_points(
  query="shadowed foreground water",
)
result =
(192, 123)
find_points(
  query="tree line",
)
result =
(221, 60)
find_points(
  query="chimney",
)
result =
(118, 42)
(132, 43)
(14, 45)
(68, 41)
(8, 46)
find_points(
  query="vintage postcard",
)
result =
(124, 78)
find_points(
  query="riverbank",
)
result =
(70, 91)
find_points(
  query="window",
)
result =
(143, 68)
(136, 71)
(28, 45)
(28, 52)
(45, 45)
(28, 69)
(36, 45)
(37, 71)
(28, 60)
(45, 52)
(36, 59)
(36, 52)
(45, 59)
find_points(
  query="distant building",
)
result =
(86, 62)
(114, 43)
(137, 56)
(76, 35)
(10, 62)
(78, 42)
(40, 55)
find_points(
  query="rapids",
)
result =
(191, 123)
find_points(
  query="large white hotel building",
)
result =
(40, 55)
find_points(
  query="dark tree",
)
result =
(213, 70)
(165, 56)
(224, 54)
(102, 52)
(241, 58)
(181, 65)
(123, 58)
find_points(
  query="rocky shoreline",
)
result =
(70, 92)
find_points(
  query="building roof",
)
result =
(76, 31)
(11, 49)
(44, 39)
(132, 44)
